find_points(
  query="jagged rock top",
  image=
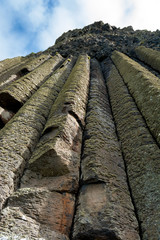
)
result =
(99, 40)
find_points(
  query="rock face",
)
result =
(80, 137)
(141, 154)
(104, 205)
(17, 93)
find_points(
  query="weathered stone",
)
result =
(31, 65)
(98, 40)
(144, 87)
(98, 215)
(105, 210)
(10, 73)
(7, 81)
(74, 94)
(65, 183)
(18, 92)
(21, 69)
(149, 56)
(101, 158)
(55, 210)
(17, 225)
(10, 62)
(58, 152)
(141, 155)
(20, 136)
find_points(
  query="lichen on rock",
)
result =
(144, 87)
(58, 152)
(141, 155)
(18, 92)
(21, 134)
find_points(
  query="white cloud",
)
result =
(20, 22)
(42, 25)
(32, 13)
(95, 10)
(59, 22)
(145, 14)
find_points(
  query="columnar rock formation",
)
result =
(79, 140)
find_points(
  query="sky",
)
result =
(33, 25)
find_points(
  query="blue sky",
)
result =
(33, 25)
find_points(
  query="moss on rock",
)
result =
(20, 135)
(58, 151)
(141, 155)
(149, 56)
(18, 92)
(144, 87)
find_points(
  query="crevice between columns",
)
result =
(105, 75)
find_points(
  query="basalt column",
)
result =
(149, 56)
(19, 136)
(20, 69)
(104, 208)
(19, 91)
(9, 69)
(144, 87)
(141, 155)
(46, 198)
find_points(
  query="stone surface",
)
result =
(10, 73)
(101, 158)
(17, 225)
(144, 87)
(58, 152)
(149, 56)
(94, 219)
(98, 40)
(66, 183)
(74, 95)
(104, 210)
(34, 63)
(10, 62)
(20, 68)
(55, 210)
(141, 155)
(18, 92)
(20, 136)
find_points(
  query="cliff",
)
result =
(80, 137)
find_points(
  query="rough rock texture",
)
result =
(77, 160)
(105, 209)
(8, 63)
(43, 205)
(145, 88)
(20, 136)
(31, 65)
(14, 72)
(141, 156)
(17, 225)
(149, 56)
(17, 93)
(63, 183)
(102, 214)
(101, 148)
(10, 73)
(99, 40)
(60, 146)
